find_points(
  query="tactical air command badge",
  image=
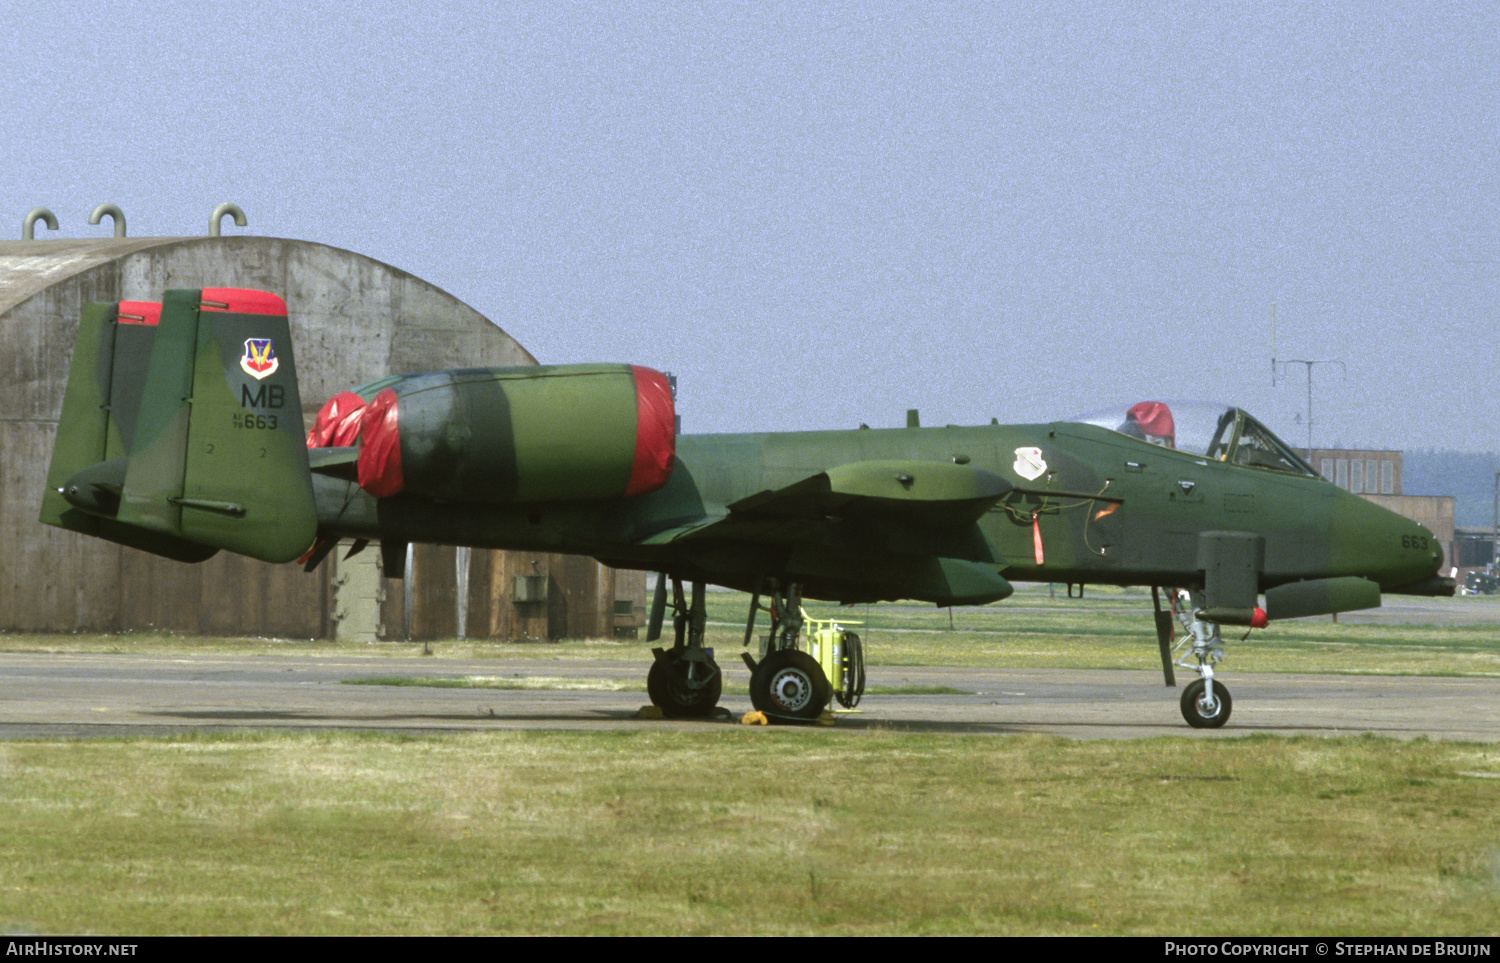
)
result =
(1029, 463)
(260, 358)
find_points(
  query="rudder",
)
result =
(219, 456)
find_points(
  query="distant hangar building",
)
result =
(354, 319)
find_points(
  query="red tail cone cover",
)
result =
(337, 425)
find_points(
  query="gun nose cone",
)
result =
(1394, 551)
(1423, 571)
(1427, 551)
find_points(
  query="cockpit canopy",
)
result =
(1202, 428)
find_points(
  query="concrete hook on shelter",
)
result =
(115, 214)
(28, 226)
(218, 215)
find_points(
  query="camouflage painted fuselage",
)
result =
(1102, 508)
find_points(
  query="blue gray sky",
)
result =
(825, 213)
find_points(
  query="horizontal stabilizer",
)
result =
(342, 463)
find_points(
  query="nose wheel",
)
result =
(1204, 711)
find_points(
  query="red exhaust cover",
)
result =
(380, 447)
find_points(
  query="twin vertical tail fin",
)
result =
(105, 382)
(181, 430)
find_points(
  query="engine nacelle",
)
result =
(512, 435)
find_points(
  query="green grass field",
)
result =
(723, 830)
(737, 831)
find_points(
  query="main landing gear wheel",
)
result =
(788, 684)
(684, 687)
(1200, 716)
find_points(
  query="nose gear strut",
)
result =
(1205, 703)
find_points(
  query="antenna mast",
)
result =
(1309, 364)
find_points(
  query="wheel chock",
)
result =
(758, 718)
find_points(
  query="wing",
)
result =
(864, 531)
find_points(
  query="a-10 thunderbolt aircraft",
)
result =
(182, 434)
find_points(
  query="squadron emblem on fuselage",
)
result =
(1029, 463)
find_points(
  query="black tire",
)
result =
(790, 685)
(854, 672)
(679, 696)
(1193, 712)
